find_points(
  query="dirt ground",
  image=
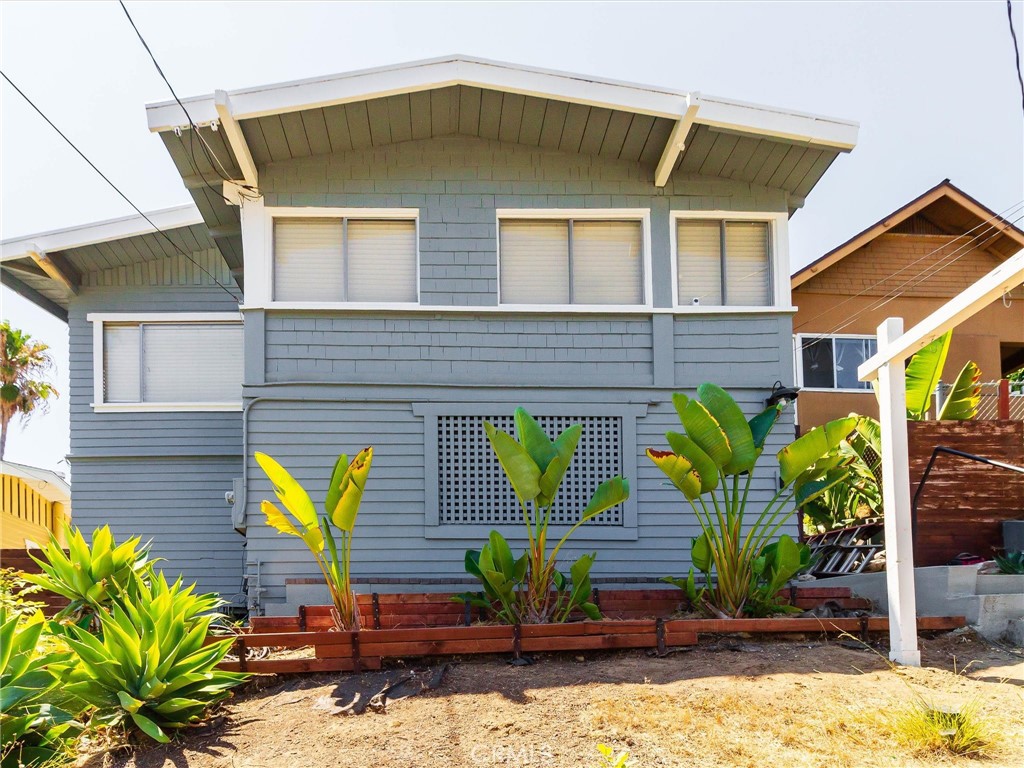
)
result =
(727, 702)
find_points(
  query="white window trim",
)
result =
(798, 360)
(643, 215)
(778, 245)
(99, 319)
(271, 214)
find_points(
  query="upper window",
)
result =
(831, 362)
(571, 261)
(158, 362)
(341, 259)
(723, 263)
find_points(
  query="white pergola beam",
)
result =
(56, 272)
(992, 286)
(236, 139)
(676, 144)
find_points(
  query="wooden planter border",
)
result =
(441, 631)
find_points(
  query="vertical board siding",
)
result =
(161, 476)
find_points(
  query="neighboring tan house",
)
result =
(36, 503)
(643, 250)
(907, 265)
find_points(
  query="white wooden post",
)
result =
(899, 542)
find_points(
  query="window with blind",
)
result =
(172, 363)
(345, 260)
(831, 362)
(571, 261)
(723, 263)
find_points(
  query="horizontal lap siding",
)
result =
(178, 503)
(161, 476)
(479, 349)
(389, 542)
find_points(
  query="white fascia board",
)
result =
(975, 298)
(100, 232)
(46, 483)
(481, 73)
(800, 127)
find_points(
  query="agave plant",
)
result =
(531, 589)
(713, 466)
(36, 729)
(332, 553)
(151, 663)
(90, 578)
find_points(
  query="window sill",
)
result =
(833, 390)
(516, 534)
(166, 407)
(538, 309)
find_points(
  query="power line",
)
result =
(996, 216)
(901, 289)
(113, 186)
(1016, 51)
(211, 155)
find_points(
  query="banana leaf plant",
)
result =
(713, 465)
(530, 589)
(923, 374)
(328, 537)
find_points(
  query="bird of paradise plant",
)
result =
(331, 551)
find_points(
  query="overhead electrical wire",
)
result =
(208, 151)
(894, 293)
(1001, 216)
(1016, 51)
(117, 189)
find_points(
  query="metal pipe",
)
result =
(952, 452)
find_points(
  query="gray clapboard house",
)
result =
(386, 258)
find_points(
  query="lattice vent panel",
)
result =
(473, 488)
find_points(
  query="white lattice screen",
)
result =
(473, 489)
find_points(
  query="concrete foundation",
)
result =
(990, 602)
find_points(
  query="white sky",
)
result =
(932, 84)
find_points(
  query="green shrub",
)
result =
(150, 663)
(37, 719)
(531, 589)
(15, 593)
(90, 578)
(1010, 562)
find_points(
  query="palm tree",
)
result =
(24, 364)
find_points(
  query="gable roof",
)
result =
(662, 128)
(46, 268)
(945, 206)
(46, 483)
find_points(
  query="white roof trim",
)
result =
(462, 70)
(99, 232)
(972, 300)
(46, 483)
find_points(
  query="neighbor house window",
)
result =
(831, 362)
(168, 362)
(723, 262)
(345, 259)
(571, 261)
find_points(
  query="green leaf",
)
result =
(731, 420)
(963, 399)
(679, 402)
(150, 728)
(704, 430)
(923, 374)
(292, 495)
(761, 425)
(353, 484)
(501, 554)
(608, 494)
(700, 554)
(679, 470)
(534, 439)
(803, 452)
(703, 465)
(334, 485)
(591, 611)
(522, 471)
(129, 702)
